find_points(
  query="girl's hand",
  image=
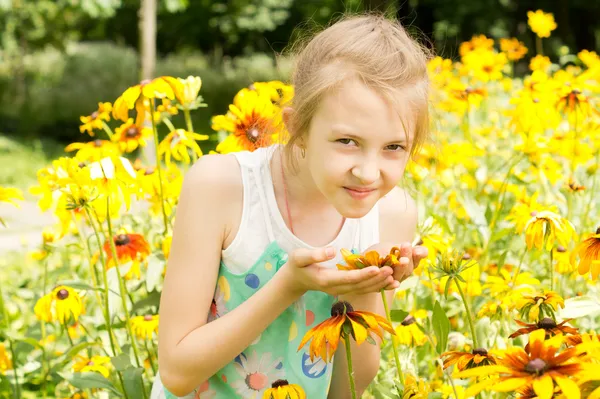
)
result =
(408, 256)
(303, 273)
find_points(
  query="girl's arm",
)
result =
(397, 224)
(191, 351)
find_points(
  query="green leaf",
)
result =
(435, 395)
(121, 362)
(371, 340)
(441, 327)
(90, 381)
(154, 272)
(27, 340)
(448, 283)
(152, 300)
(398, 315)
(132, 380)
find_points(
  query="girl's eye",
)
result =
(346, 141)
(396, 147)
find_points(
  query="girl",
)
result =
(258, 234)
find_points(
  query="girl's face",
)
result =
(357, 148)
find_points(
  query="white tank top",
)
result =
(262, 222)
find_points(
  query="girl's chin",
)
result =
(355, 211)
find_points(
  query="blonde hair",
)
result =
(370, 47)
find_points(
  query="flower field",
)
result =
(508, 187)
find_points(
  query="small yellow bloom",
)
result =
(281, 389)
(589, 58)
(187, 92)
(589, 254)
(535, 306)
(93, 151)
(96, 120)
(63, 304)
(539, 63)
(541, 23)
(408, 332)
(130, 136)
(5, 362)
(415, 388)
(144, 326)
(98, 364)
(8, 194)
(545, 227)
(514, 49)
(177, 145)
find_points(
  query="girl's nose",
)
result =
(367, 172)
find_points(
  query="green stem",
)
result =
(169, 124)
(519, 268)
(469, 317)
(150, 356)
(160, 182)
(551, 271)
(16, 388)
(350, 368)
(592, 192)
(107, 129)
(66, 327)
(538, 45)
(188, 121)
(123, 293)
(394, 344)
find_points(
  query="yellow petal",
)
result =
(543, 387)
(360, 332)
(568, 387)
(480, 386)
(510, 384)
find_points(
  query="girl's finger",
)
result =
(375, 280)
(332, 278)
(302, 257)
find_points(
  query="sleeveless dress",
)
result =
(257, 252)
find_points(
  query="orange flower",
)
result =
(589, 253)
(344, 321)
(130, 247)
(465, 360)
(371, 258)
(547, 324)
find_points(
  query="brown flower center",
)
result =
(62, 294)
(341, 308)
(94, 115)
(90, 363)
(132, 132)
(560, 248)
(148, 317)
(98, 143)
(253, 134)
(408, 320)
(279, 383)
(533, 213)
(598, 230)
(122, 239)
(81, 164)
(466, 256)
(480, 351)
(547, 323)
(420, 241)
(149, 171)
(536, 366)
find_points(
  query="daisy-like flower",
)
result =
(130, 136)
(452, 267)
(541, 369)
(514, 49)
(144, 326)
(282, 389)
(95, 120)
(130, 247)
(408, 331)
(177, 145)
(589, 255)
(541, 23)
(574, 340)
(548, 324)
(187, 95)
(484, 65)
(370, 258)
(63, 304)
(464, 360)
(477, 42)
(257, 373)
(415, 388)
(344, 320)
(545, 227)
(279, 92)
(539, 63)
(8, 194)
(98, 364)
(252, 121)
(93, 151)
(564, 260)
(134, 97)
(5, 362)
(573, 100)
(534, 306)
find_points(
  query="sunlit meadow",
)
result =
(506, 304)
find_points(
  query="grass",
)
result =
(22, 157)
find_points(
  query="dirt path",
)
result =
(24, 226)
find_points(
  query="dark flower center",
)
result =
(598, 230)
(279, 383)
(576, 91)
(420, 241)
(466, 256)
(81, 164)
(90, 363)
(94, 114)
(536, 100)
(533, 213)
(341, 308)
(253, 134)
(560, 248)
(408, 320)
(148, 317)
(132, 132)
(62, 294)
(547, 323)
(98, 143)
(535, 366)
(149, 171)
(480, 351)
(122, 239)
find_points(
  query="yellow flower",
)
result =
(187, 92)
(540, 368)
(484, 65)
(541, 23)
(344, 320)
(415, 388)
(177, 145)
(545, 227)
(279, 93)
(539, 62)
(133, 97)
(514, 49)
(524, 209)
(253, 121)
(130, 136)
(63, 304)
(589, 58)
(144, 326)
(564, 260)
(281, 389)
(93, 151)
(589, 254)
(478, 42)
(114, 178)
(466, 360)
(535, 306)
(5, 362)
(408, 331)
(98, 364)
(370, 258)
(8, 194)
(95, 120)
